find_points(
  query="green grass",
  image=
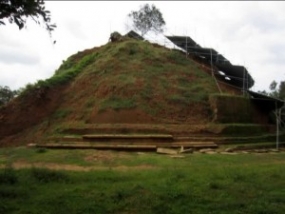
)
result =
(61, 113)
(32, 156)
(117, 103)
(90, 102)
(178, 57)
(151, 183)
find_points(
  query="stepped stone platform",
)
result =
(123, 141)
(153, 136)
(94, 146)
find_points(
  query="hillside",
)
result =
(126, 82)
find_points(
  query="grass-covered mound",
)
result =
(123, 82)
(135, 77)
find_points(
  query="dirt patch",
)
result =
(121, 116)
(106, 156)
(69, 167)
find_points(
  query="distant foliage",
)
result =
(148, 18)
(276, 90)
(17, 11)
(115, 36)
(6, 94)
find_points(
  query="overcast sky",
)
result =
(251, 34)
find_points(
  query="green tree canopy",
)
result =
(17, 11)
(281, 90)
(6, 94)
(276, 90)
(273, 85)
(148, 18)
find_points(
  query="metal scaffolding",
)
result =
(234, 75)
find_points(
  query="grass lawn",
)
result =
(34, 181)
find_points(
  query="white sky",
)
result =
(251, 34)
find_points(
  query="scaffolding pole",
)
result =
(277, 126)
(247, 81)
(213, 73)
(243, 85)
(212, 62)
(186, 46)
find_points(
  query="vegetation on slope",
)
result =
(135, 74)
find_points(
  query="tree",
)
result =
(275, 91)
(6, 94)
(273, 85)
(17, 11)
(148, 18)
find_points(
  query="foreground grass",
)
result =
(149, 183)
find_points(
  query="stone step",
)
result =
(133, 128)
(173, 129)
(160, 138)
(196, 144)
(131, 137)
(126, 145)
(93, 146)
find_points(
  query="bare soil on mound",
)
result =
(132, 116)
(27, 111)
